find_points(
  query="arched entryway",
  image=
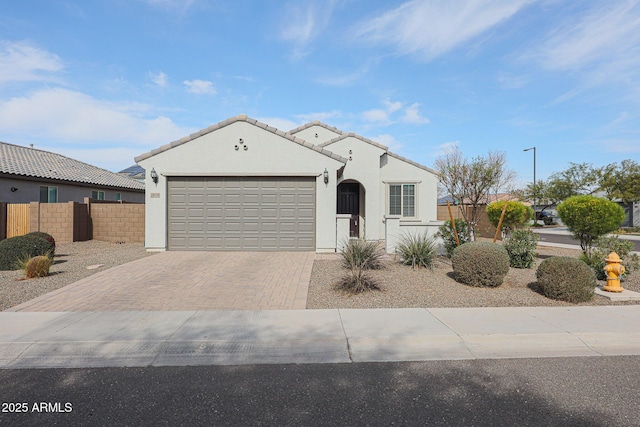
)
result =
(351, 201)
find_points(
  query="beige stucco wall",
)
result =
(364, 167)
(375, 170)
(214, 154)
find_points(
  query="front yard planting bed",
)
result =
(403, 287)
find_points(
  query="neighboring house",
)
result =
(631, 214)
(133, 172)
(242, 185)
(31, 175)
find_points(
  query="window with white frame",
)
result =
(118, 197)
(97, 195)
(48, 194)
(402, 200)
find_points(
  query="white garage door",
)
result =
(242, 213)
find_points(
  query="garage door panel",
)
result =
(214, 227)
(239, 213)
(269, 213)
(269, 227)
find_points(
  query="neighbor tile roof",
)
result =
(241, 118)
(30, 162)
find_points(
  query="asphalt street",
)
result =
(568, 240)
(584, 391)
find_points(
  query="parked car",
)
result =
(545, 217)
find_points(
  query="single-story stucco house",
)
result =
(31, 175)
(243, 185)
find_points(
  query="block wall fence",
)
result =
(94, 219)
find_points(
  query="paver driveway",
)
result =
(189, 281)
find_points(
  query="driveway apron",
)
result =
(189, 281)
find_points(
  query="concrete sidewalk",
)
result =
(184, 338)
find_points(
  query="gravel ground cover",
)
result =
(70, 265)
(402, 287)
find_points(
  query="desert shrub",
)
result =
(481, 264)
(21, 247)
(357, 280)
(602, 247)
(445, 232)
(521, 247)
(37, 266)
(566, 279)
(417, 250)
(359, 253)
(589, 217)
(516, 215)
(48, 237)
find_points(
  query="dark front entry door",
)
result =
(349, 203)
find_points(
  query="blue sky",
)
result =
(104, 81)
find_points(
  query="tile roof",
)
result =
(31, 162)
(240, 118)
(315, 123)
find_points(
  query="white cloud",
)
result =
(432, 28)
(601, 36)
(445, 148)
(412, 115)
(21, 61)
(389, 141)
(304, 21)
(376, 115)
(159, 78)
(392, 107)
(74, 117)
(600, 46)
(200, 87)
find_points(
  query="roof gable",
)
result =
(31, 162)
(382, 147)
(240, 118)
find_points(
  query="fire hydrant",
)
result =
(614, 270)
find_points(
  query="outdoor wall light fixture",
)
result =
(325, 174)
(154, 176)
(14, 189)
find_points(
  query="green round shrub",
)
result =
(566, 279)
(589, 217)
(516, 215)
(48, 237)
(521, 247)
(14, 249)
(481, 264)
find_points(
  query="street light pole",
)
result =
(535, 190)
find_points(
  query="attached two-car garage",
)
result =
(241, 213)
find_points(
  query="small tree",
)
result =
(516, 215)
(470, 182)
(620, 181)
(589, 217)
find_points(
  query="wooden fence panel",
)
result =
(17, 219)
